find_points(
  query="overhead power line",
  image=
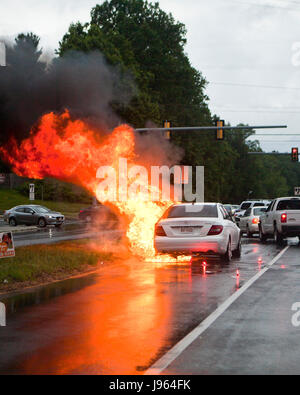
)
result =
(259, 107)
(255, 85)
(269, 5)
(262, 111)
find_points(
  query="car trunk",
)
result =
(189, 227)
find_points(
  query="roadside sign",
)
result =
(297, 191)
(2, 178)
(2, 54)
(31, 191)
(7, 248)
(2, 314)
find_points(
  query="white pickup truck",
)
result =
(280, 220)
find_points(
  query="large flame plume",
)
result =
(72, 151)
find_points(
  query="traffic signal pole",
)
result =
(189, 128)
(269, 153)
(294, 154)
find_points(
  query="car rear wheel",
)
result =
(278, 237)
(12, 222)
(228, 254)
(262, 236)
(42, 223)
(238, 252)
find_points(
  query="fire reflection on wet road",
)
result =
(120, 320)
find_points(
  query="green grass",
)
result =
(11, 198)
(46, 262)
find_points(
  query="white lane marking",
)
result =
(172, 354)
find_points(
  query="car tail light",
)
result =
(159, 231)
(215, 230)
(283, 218)
(255, 221)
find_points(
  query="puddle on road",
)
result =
(15, 303)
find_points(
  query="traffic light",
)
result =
(294, 154)
(167, 133)
(220, 132)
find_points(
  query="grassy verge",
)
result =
(45, 263)
(11, 198)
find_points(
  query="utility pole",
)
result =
(2, 64)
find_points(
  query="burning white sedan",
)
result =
(199, 228)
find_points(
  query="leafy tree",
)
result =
(148, 42)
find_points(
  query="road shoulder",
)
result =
(254, 334)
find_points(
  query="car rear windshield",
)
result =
(258, 211)
(193, 211)
(288, 205)
(244, 206)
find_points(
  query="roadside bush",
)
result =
(54, 190)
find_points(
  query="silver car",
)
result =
(33, 215)
(249, 222)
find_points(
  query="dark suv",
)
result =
(33, 215)
(98, 214)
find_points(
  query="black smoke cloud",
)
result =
(83, 83)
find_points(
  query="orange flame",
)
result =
(70, 150)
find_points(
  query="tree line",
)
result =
(142, 41)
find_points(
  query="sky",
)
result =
(248, 50)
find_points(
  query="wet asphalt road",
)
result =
(50, 234)
(121, 319)
(258, 334)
